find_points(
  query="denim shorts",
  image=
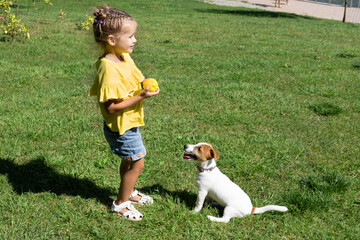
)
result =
(128, 146)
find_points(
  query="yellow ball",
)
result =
(152, 83)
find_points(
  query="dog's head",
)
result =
(201, 151)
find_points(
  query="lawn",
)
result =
(276, 94)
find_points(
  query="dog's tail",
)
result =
(259, 210)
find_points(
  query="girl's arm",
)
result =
(116, 105)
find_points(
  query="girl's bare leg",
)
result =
(129, 172)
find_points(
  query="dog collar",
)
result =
(201, 169)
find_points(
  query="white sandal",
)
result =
(132, 214)
(144, 200)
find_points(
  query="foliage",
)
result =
(11, 25)
(62, 14)
(86, 24)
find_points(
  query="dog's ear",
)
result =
(213, 154)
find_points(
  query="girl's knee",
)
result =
(139, 165)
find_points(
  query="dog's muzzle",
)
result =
(188, 155)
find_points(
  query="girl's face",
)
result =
(125, 41)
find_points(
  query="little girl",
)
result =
(118, 90)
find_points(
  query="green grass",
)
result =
(276, 94)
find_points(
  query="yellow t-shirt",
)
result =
(119, 81)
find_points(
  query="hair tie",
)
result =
(96, 21)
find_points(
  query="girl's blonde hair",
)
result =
(108, 21)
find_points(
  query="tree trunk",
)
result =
(345, 6)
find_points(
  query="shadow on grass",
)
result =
(182, 196)
(37, 177)
(254, 13)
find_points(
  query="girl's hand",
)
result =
(115, 105)
(146, 94)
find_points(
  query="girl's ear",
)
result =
(111, 40)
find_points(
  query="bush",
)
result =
(11, 26)
(87, 24)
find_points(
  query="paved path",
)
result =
(313, 9)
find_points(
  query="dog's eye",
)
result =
(199, 149)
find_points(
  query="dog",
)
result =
(213, 184)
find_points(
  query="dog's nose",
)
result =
(185, 146)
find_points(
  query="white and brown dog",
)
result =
(213, 184)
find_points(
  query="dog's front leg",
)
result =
(200, 200)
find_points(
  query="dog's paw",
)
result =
(214, 219)
(211, 218)
(194, 211)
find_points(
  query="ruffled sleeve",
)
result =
(109, 83)
(109, 92)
